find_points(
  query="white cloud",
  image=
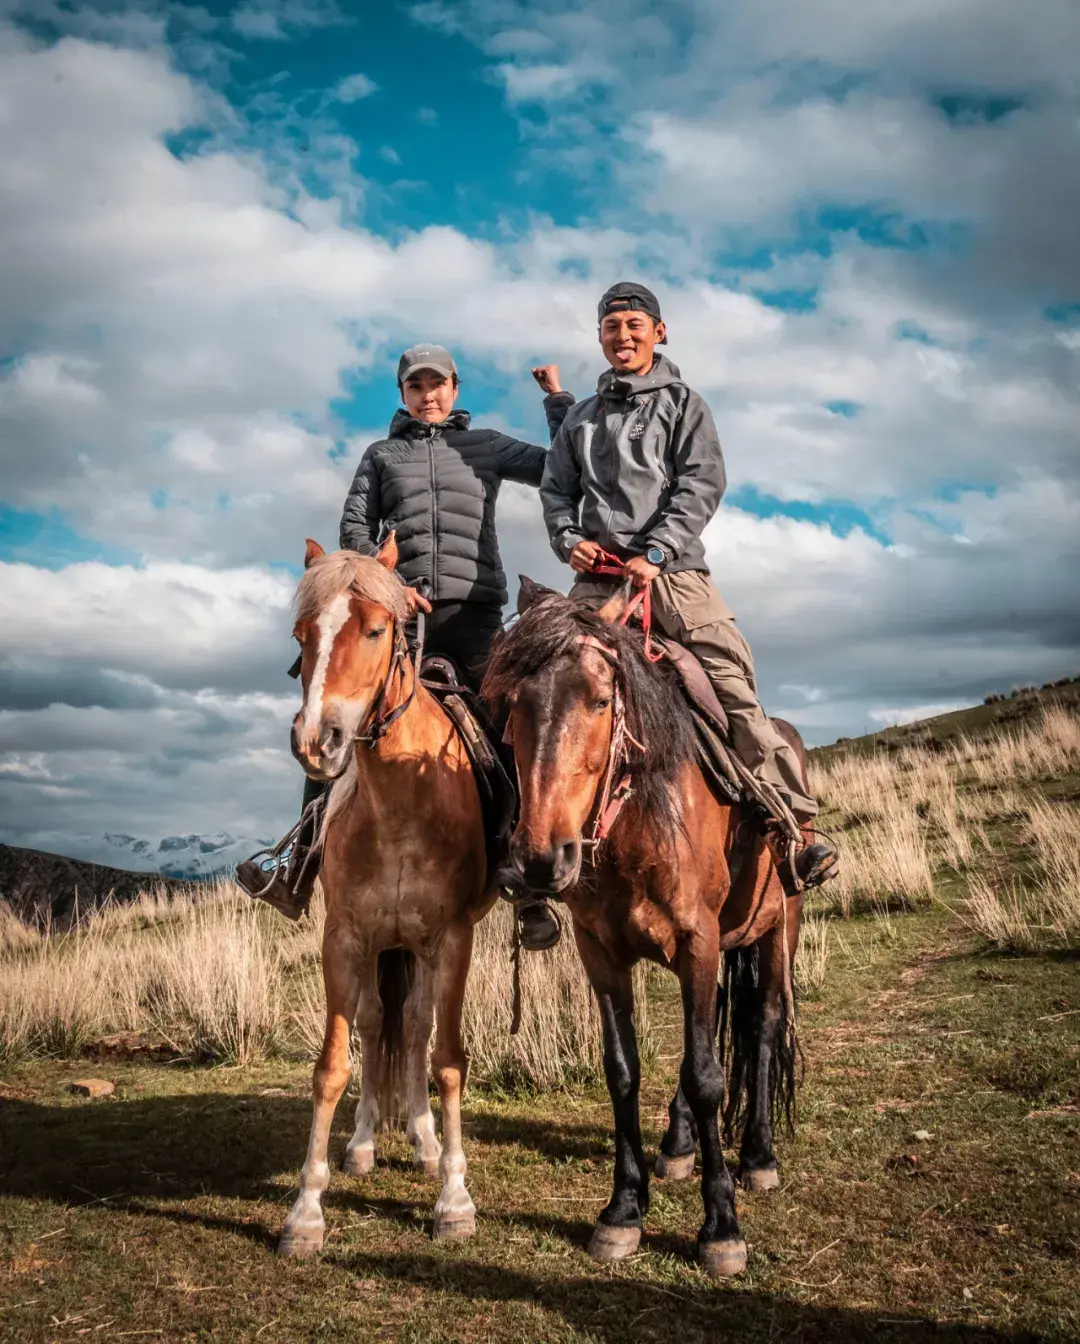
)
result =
(353, 88)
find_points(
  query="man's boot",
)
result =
(284, 876)
(815, 860)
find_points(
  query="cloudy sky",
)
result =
(221, 223)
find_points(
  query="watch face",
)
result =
(655, 555)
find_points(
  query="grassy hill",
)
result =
(932, 1187)
(1024, 705)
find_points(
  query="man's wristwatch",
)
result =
(656, 556)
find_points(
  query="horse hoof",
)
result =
(760, 1180)
(455, 1226)
(428, 1165)
(298, 1243)
(722, 1259)
(674, 1168)
(614, 1243)
(360, 1163)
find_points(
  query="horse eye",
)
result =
(377, 634)
(601, 705)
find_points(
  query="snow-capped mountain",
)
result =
(183, 856)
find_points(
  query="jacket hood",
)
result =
(404, 426)
(622, 386)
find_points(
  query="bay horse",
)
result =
(404, 873)
(603, 741)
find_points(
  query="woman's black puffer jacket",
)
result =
(436, 486)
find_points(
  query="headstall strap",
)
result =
(381, 722)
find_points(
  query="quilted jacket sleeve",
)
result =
(361, 521)
(517, 461)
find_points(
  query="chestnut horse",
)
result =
(589, 717)
(404, 875)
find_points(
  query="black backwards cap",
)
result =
(628, 294)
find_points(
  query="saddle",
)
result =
(711, 725)
(498, 795)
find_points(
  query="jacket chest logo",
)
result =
(637, 429)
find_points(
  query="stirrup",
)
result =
(277, 861)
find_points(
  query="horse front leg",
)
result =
(618, 1228)
(721, 1248)
(455, 1213)
(305, 1226)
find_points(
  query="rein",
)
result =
(607, 565)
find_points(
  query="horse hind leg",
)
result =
(419, 1019)
(455, 1213)
(678, 1147)
(360, 1150)
(305, 1227)
(763, 1037)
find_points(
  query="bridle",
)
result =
(378, 721)
(612, 795)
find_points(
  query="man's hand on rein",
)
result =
(639, 571)
(584, 556)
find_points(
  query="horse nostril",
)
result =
(568, 857)
(334, 739)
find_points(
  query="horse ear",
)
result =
(313, 552)
(614, 609)
(387, 554)
(530, 592)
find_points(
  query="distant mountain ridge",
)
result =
(48, 889)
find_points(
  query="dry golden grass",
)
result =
(906, 818)
(226, 979)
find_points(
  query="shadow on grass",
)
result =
(136, 1152)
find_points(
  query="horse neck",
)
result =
(635, 843)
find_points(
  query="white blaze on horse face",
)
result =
(328, 625)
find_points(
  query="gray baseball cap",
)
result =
(630, 294)
(434, 357)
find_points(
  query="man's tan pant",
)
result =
(688, 609)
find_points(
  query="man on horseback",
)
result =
(637, 471)
(434, 482)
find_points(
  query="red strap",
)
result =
(609, 565)
(610, 813)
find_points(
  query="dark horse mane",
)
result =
(657, 714)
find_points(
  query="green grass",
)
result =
(157, 1210)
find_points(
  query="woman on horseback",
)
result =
(433, 481)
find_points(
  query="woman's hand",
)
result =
(547, 375)
(415, 601)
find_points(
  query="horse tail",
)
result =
(742, 1007)
(396, 971)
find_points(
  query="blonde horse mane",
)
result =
(348, 572)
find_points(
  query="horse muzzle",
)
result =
(547, 871)
(322, 749)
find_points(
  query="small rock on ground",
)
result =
(92, 1087)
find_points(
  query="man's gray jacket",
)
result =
(436, 487)
(635, 466)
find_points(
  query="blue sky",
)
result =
(227, 220)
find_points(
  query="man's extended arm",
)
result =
(700, 480)
(361, 520)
